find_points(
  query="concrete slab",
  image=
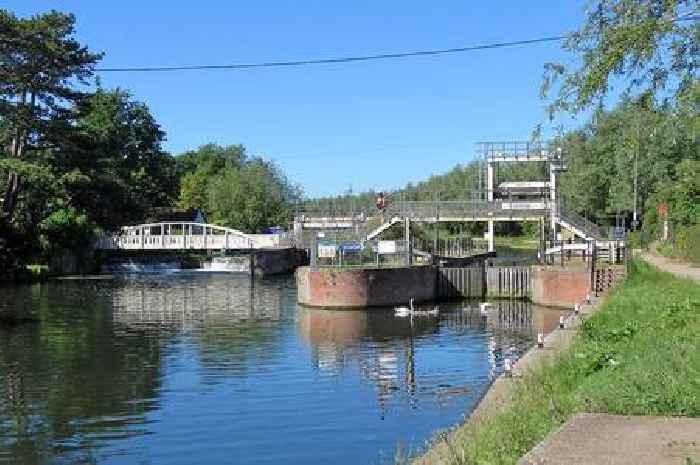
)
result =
(597, 439)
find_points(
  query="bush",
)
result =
(687, 243)
(66, 230)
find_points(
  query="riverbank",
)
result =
(635, 356)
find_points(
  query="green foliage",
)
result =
(636, 356)
(651, 44)
(685, 245)
(197, 167)
(601, 157)
(234, 189)
(70, 160)
(66, 229)
(118, 168)
(41, 65)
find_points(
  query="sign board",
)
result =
(326, 251)
(524, 206)
(618, 233)
(351, 247)
(387, 247)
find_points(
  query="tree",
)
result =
(195, 168)
(250, 198)
(118, 169)
(40, 62)
(654, 44)
(234, 189)
(600, 180)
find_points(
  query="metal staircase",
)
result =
(579, 225)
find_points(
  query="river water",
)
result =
(184, 368)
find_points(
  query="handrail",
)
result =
(576, 220)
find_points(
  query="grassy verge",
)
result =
(637, 355)
(686, 245)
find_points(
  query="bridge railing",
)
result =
(470, 209)
(522, 150)
(183, 236)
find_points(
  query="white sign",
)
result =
(524, 206)
(387, 247)
(326, 251)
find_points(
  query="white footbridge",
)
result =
(189, 236)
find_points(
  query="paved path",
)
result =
(681, 269)
(597, 439)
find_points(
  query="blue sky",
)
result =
(366, 125)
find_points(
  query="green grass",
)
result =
(637, 355)
(685, 246)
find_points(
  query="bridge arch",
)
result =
(183, 236)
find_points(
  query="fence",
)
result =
(605, 278)
(334, 252)
(456, 247)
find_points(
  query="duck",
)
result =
(404, 311)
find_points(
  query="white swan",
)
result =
(484, 308)
(403, 310)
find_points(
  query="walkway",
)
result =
(597, 439)
(680, 269)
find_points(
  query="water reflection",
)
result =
(62, 395)
(187, 300)
(121, 370)
(384, 347)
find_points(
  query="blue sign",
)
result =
(351, 247)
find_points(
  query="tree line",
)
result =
(78, 158)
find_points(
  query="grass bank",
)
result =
(685, 246)
(637, 355)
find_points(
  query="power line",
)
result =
(324, 61)
(690, 16)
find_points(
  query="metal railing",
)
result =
(520, 150)
(338, 253)
(587, 227)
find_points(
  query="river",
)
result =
(183, 368)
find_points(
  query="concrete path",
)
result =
(596, 439)
(680, 269)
